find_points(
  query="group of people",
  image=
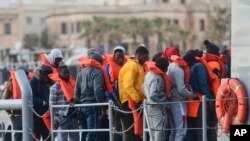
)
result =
(167, 82)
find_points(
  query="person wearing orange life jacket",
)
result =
(12, 90)
(53, 59)
(112, 69)
(40, 84)
(156, 87)
(179, 75)
(200, 86)
(62, 93)
(89, 88)
(216, 70)
(130, 80)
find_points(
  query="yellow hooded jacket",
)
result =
(130, 80)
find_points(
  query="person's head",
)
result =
(56, 56)
(44, 72)
(169, 51)
(64, 73)
(93, 50)
(119, 55)
(96, 57)
(157, 55)
(24, 68)
(141, 54)
(162, 64)
(211, 48)
(198, 53)
(190, 59)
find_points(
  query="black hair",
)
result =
(190, 59)
(161, 62)
(225, 52)
(211, 48)
(45, 69)
(157, 55)
(198, 53)
(141, 50)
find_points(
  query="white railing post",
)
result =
(144, 121)
(110, 120)
(27, 100)
(204, 118)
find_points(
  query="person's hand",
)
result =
(138, 104)
(165, 111)
(71, 104)
(104, 113)
(196, 98)
(11, 117)
(45, 103)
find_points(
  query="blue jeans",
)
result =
(91, 114)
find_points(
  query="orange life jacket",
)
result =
(138, 120)
(183, 65)
(68, 91)
(67, 87)
(45, 61)
(153, 68)
(212, 62)
(193, 106)
(114, 69)
(93, 63)
(15, 86)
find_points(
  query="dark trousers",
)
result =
(92, 116)
(117, 125)
(126, 122)
(194, 122)
(17, 125)
(212, 122)
(40, 129)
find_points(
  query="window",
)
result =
(78, 27)
(64, 28)
(183, 1)
(29, 20)
(7, 28)
(165, 1)
(176, 22)
(202, 25)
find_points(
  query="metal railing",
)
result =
(110, 129)
(146, 122)
(27, 115)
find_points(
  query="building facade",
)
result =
(192, 15)
(19, 18)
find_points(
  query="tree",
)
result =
(46, 40)
(220, 25)
(31, 40)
